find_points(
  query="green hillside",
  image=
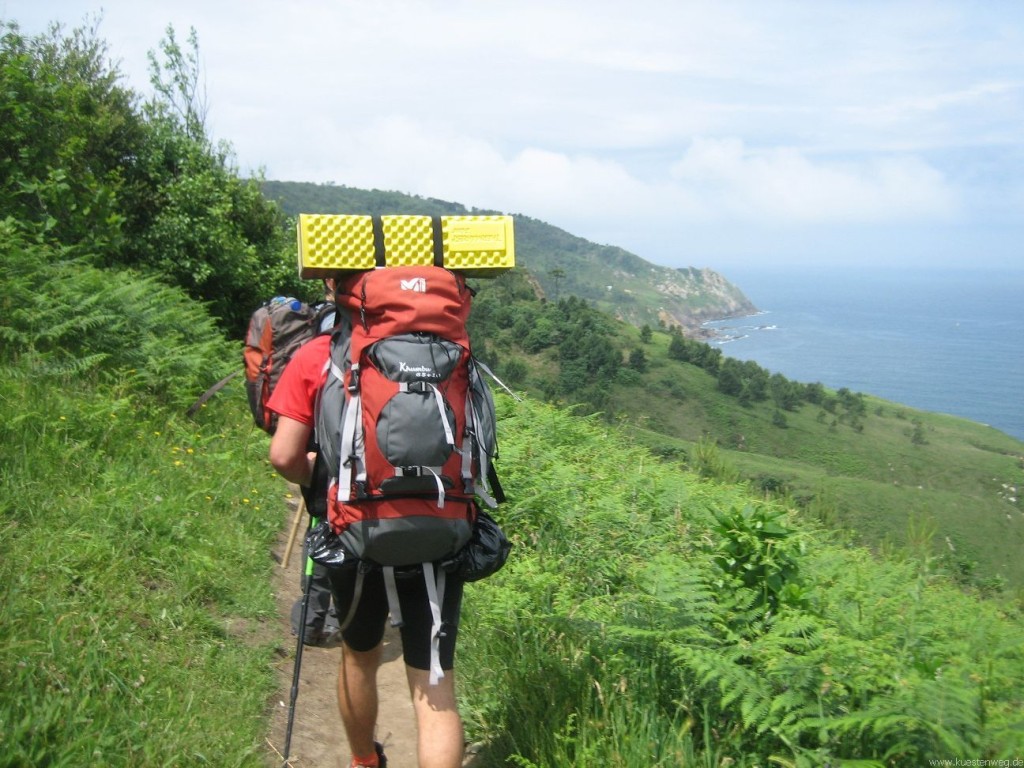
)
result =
(888, 473)
(612, 279)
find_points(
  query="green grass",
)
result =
(877, 478)
(134, 543)
(134, 567)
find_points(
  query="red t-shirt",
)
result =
(296, 391)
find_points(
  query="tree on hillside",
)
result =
(698, 353)
(814, 393)
(785, 393)
(67, 132)
(677, 347)
(84, 167)
(557, 274)
(176, 81)
(755, 381)
(730, 377)
(917, 434)
(638, 360)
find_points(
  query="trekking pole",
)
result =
(299, 514)
(298, 655)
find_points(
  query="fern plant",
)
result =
(745, 633)
(67, 319)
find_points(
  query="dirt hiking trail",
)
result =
(318, 740)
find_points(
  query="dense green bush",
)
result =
(64, 317)
(651, 618)
(88, 167)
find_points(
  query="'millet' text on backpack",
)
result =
(405, 423)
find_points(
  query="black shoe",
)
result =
(322, 638)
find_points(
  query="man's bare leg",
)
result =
(438, 723)
(357, 697)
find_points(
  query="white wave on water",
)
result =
(730, 338)
(726, 331)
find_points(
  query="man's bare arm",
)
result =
(288, 454)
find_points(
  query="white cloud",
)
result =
(715, 180)
(784, 184)
(399, 153)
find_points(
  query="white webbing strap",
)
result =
(485, 495)
(449, 436)
(392, 590)
(357, 592)
(467, 446)
(350, 454)
(435, 593)
(440, 487)
(498, 381)
(435, 583)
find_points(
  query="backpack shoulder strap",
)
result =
(325, 317)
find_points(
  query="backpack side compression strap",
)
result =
(349, 456)
(435, 595)
(496, 490)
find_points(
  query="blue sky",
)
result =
(710, 134)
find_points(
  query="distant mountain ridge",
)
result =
(616, 281)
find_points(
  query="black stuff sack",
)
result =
(485, 553)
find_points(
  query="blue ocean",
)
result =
(943, 340)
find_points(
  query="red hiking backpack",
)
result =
(405, 422)
(276, 330)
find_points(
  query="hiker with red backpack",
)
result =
(404, 425)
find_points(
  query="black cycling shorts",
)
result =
(366, 630)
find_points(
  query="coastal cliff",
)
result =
(623, 284)
(694, 296)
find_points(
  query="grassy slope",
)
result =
(611, 638)
(885, 487)
(133, 558)
(135, 607)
